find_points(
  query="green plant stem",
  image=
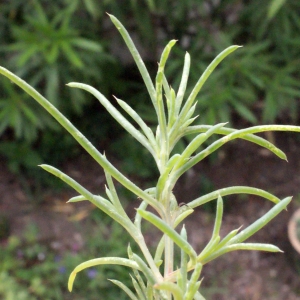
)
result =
(165, 228)
(169, 250)
(84, 142)
(171, 288)
(110, 210)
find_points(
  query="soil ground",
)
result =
(239, 275)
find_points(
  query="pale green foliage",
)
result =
(154, 274)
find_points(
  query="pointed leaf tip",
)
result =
(71, 281)
(76, 199)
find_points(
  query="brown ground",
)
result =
(236, 276)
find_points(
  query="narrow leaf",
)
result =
(101, 261)
(261, 222)
(141, 295)
(114, 196)
(238, 134)
(124, 288)
(134, 115)
(249, 137)
(140, 282)
(170, 287)
(137, 58)
(227, 238)
(219, 216)
(144, 268)
(231, 191)
(240, 246)
(170, 232)
(160, 105)
(183, 83)
(193, 284)
(98, 201)
(115, 114)
(198, 86)
(196, 143)
(77, 199)
(171, 111)
(183, 214)
(164, 176)
(205, 76)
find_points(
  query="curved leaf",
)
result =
(101, 261)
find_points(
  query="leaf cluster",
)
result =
(154, 274)
(261, 84)
(51, 44)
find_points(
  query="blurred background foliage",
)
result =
(33, 267)
(52, 43)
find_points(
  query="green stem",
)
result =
(81, 139)
(169, 251)
(144, 248)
